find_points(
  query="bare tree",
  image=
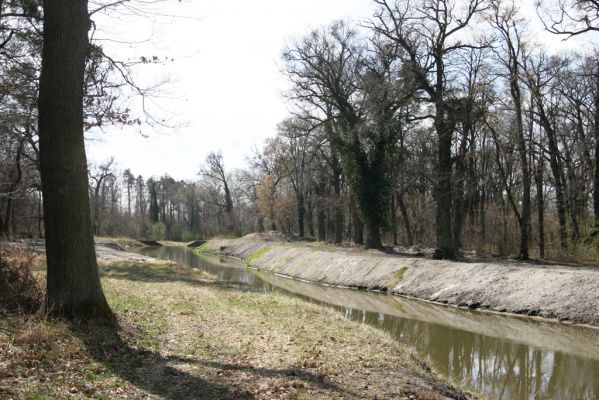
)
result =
(569, 17)
(511, 56)
(427, 35)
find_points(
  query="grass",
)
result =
(399, 273)
(257, 254)
(184, 335)
(202, 249)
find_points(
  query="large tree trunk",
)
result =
(540, 205)
(338, 235)
(443, 190)
(596, 133)
(321, 223)
(525, 215)
(373, 235)
(301, 211)
(73, 283)
(406, 219)
(358, 225)
(393, 220)
(556, 171)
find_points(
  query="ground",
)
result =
(557, 292)
(183, 335)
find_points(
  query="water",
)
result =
(500, 356)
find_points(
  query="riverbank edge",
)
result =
(568, 295)
(143, 342)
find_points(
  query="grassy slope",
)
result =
(185, 336)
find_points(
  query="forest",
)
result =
(430, 125)
(432, 154)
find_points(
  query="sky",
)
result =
(224, 89)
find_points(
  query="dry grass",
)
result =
(20, 291)
(185, 336)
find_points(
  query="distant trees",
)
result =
(355, 98)
(410, 129)
(499, 117)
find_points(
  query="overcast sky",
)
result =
(225, 85)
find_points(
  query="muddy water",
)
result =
(503, 357)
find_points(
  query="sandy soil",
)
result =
(564, 293)
(105, 250)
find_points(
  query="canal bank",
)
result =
(502, 357)
(560, 293)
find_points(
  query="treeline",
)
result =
(442, 124)
(435, 123)
(125, 204)
(21, 27)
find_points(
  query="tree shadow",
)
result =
(152, 274)
(291, 373)
(149, 370)
(159, 375)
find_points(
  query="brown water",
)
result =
(502, 357)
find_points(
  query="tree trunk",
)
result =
(540, 205)
(596, 133)
(73, 283)
(525, 215)
(393, 219)
(406, 219)
(358, 225)
(443, 191)
(301, 210)
(373, 235)
(338, 235)
(310, 216)
(557, 177)
(321, 222)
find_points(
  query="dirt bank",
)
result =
(564, 293)
(106, 249)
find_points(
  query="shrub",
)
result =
(20, 291)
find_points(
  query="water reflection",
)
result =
(503, 357)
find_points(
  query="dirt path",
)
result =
(106, 249)
(564, 293)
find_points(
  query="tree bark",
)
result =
(321, 223)
(443, 188)
(358, 225)
(406, 219)
(373, 235)
(596, 134)
(540, 205)
(301, 211)
(556, 171)
(338, 234)
(73, 282)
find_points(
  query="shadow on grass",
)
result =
(148, 370)
(157, 274)
(218, 278)
(291, 373)
(158, 375)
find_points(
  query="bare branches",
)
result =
(569, 17)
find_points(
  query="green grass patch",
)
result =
(400, 273)
(201, 249)
(257, 254)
